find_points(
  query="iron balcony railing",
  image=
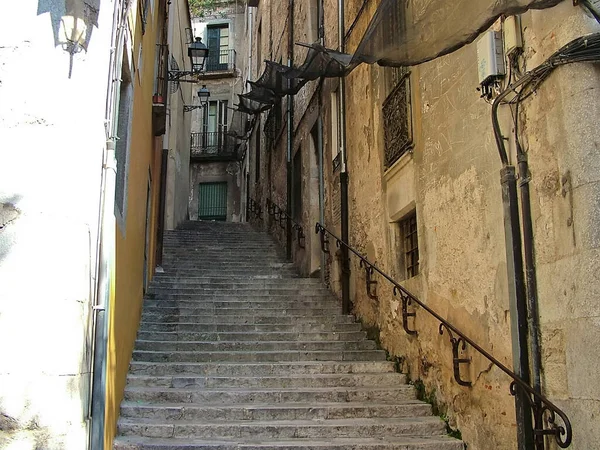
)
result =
(217, 145)
(547, 417)
(222, 61)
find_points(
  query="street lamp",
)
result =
(203, 95)
(198, 52)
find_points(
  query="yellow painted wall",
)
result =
(144, 161)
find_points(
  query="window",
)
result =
(259, 62)
(312, 21)
(335, 130)
(397, 117)
(409, 245)
(122, 142)
(214, 124)
(218, 47)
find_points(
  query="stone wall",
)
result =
(452, 180)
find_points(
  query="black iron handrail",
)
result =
(281, 216)
(543, 410)
(255, 208)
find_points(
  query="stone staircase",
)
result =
(236, 352)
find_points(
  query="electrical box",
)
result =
(513, 38)
(490, 57)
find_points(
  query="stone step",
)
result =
(385, 394)
(297, 283)
(289, 411)
(217, 297)
(259, 356)
(362, 443)
(262, 369)
(243, 303)
(282, 429)
(252, 320)
(168, 313)
(250, 336)
(232, 290)
(245, 327)
(284, 294)
(251, 346)
(266, 382)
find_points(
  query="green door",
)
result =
(212, 201)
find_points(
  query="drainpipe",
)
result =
(321, 182)
(516, 285)
(343, 172)
(530, 278)
(290, 136)
(320, 149)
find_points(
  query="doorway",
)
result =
(212, 201)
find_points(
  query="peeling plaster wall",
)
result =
(452, 180)
(51, 160)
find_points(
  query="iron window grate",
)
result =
(411, 245)
(397, 120)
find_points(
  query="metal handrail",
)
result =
(543, 410)
(255, 208)
(281, 216)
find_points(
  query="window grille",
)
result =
(397, 118)
(410, 245)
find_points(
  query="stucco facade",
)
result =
(451, 180)
(78, 226)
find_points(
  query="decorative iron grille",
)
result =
(397, 119)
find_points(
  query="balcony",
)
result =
(219, 64)
(213, 146)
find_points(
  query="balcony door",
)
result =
(214, 125)
(218, 47)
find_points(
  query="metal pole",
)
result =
(531, 279)
(517, 304)
(290, 137)
(343, 172)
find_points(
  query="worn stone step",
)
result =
(282, 429)
(161, 312)
(255, 320)
(260, 369)
(362, 443)
(250, 336)
(259, 356)
(257, 303)
(236, 284)
(271, 396)
(251, 346)
(289, 411)
(266, 382)
(243, 327)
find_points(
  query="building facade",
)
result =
(425, 203)
(82, 193)
(216, 184)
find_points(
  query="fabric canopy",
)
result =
(409, 32)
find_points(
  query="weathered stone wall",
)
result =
(452, 180)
